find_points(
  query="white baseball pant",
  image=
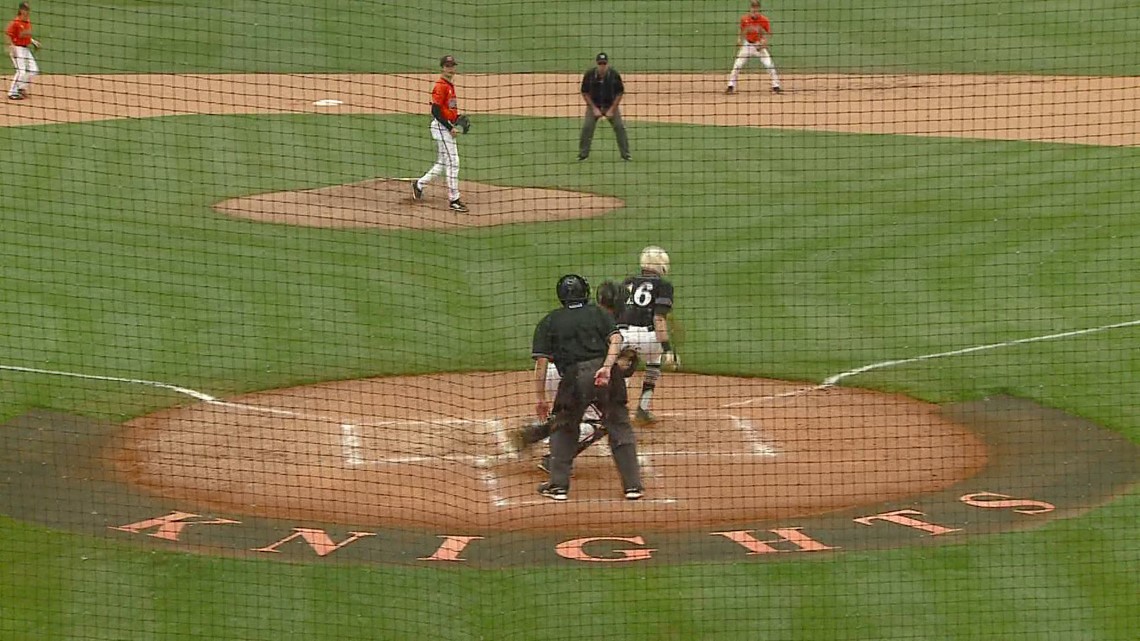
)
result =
(26, 69)
(750, 50)
(644, 340)
(446, 161)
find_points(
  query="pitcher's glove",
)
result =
(463, 122)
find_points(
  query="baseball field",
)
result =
(251, 390)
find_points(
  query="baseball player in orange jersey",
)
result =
(444, 114)
(752, 41)
(19, 34)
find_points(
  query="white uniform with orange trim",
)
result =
(19, 37)
(754, 29)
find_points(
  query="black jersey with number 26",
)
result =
(647, 295)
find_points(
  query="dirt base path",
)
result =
(1069, 109)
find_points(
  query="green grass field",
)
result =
(826, 253)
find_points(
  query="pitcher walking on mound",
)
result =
(20, 45)
(444, 114)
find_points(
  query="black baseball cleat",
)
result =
(730, 90)
(417, 193)
(553, 492)
(457, 205)
(634, 493)
(627, 157)
(582, 157)
(15, 96)
(777, 89)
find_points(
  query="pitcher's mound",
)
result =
(388, 203)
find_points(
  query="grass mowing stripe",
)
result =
(845, 259)
(507, 35)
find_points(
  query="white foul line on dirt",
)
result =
(502, 439)
(480, 461)
(350, 444)
(753, 438)
(490, 479)
(350, 437)
(490, 482)
(775, 397)
(529, 502)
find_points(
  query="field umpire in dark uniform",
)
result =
(602, 89)
(584, 342)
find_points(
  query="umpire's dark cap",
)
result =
(602, 58)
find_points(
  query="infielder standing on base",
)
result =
(444, 114)
(644, 326)
(19, 34)
(752, 41)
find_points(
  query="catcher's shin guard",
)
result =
(584, 444)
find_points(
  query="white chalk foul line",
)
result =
(775, 397)
(832, 380)
(115, 379)
(491, 482)
(529, 502)
(502, 439)
(828, 382)
(351, 446)
(755, 441)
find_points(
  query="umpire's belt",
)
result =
(592, 365)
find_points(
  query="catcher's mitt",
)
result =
(463, 122)
(627, 361)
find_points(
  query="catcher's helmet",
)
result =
(573, 288)
(654, 259)
(610, 297)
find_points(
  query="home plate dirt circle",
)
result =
(432, 452)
